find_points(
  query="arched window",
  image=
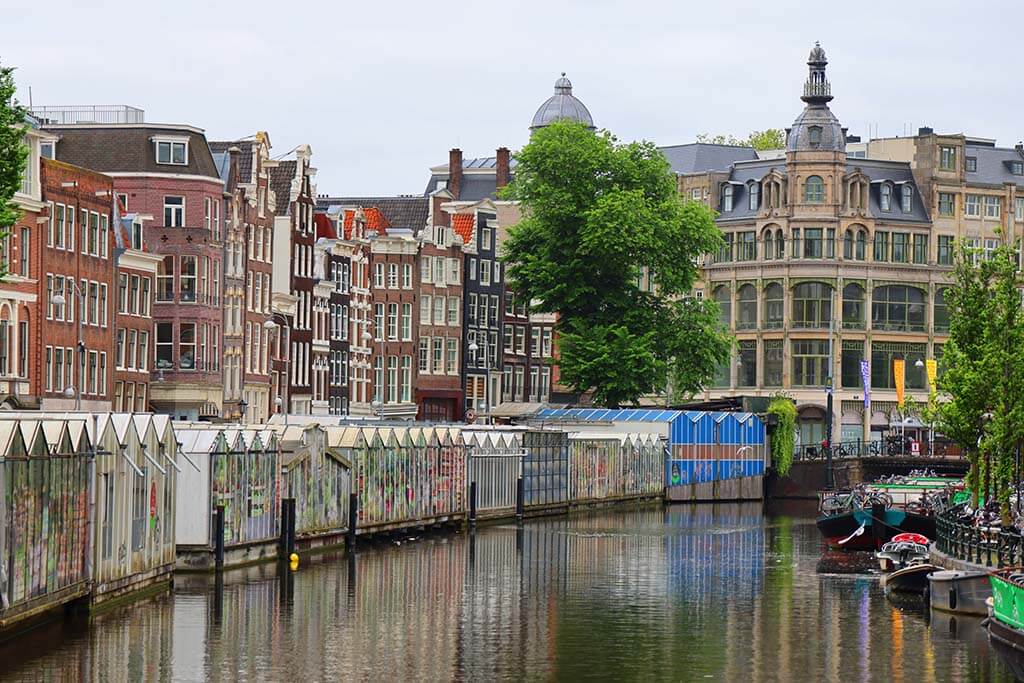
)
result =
(853, 307)
(812, 305)
(814, 135)
(769, 244)
(940, 313)
(727, 197)
(898, 308)
(773, 306)
(780, 244)
(746, 301)
(860, 248)
(848, 244)
(885, 197)
(854, 244)
(814, 190)
(907, 198)
(724, 299)
(753, 196)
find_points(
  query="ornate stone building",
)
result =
(829, 261)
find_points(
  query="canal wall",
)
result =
(723, 490)
(807, 477)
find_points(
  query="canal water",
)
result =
(706, 592)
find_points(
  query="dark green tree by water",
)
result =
(13, 152)
(982, 407)
(597, 216)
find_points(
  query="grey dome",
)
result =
(817, 128)
(562, 105)
(830, 136)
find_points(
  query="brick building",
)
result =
(248, 245)
(334, 257)
(291, 183)
(78, 264)
(167, 171)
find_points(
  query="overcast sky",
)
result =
(382, 90)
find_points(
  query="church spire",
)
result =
(817, 90)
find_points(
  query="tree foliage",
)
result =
(13, 151)
(597, 215)
(784, 434)
(770, 138)
(983, 379)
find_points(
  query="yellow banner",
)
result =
(931, 366)
(898, 373)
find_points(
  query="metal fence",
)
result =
(545, 468)
(89, 113)
(991, 546)
(878, 449)
(602, 467)
(495, 474)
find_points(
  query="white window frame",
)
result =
(171, 142)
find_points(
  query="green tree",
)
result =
(13, 151)
(983, 381)
(783, 437)
(597, 216)
(770, 138)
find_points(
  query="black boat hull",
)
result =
(836, 528)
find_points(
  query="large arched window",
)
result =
(769, 244)
(746, 303)
(853, 307)
(814, 190)
(780, 244)
(727, 197)
(724, 299)
(898, 308)
(940, 314)
(812, 305)
(753, 195)
(774, 306)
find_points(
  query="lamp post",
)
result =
(59, 300)
(270, 325)
(243, 406)
(473, 348)
(919, 364)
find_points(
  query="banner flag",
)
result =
(898, 373)
(865, 375)
(932, 368)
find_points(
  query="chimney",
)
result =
(1019, 147)
(455, 171)
(502, 173)
(925, 130)
(234, 153)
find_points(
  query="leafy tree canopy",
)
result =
(597, 217)
(770, 138)
(13, 151)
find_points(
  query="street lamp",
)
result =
(243, 405)
(59, 300)
(473, 348)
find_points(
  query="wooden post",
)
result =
(218, 537)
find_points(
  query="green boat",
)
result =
(1005, 621)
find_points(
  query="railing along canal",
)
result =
(991, 546)
(876, 449)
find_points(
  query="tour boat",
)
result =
(855, 529)
(959, 592)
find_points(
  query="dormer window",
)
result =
(172, 151)
(46, 150)
(1017, 167)
(971, 164)
(814, 135)
(907, 199)
(753, 196)
(885, 197)
(727, 198)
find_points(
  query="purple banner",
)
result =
(865, 375)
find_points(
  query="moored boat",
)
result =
(1005, 621)
(911, 579)
(857, 529)
(959, 592)
(903, 550)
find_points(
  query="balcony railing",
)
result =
(89, 113)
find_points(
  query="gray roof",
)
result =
(993, 165)
(561, 106)
(281, 177)
(222, 160)
(406, 211)
(244, 159)
(129, 148)
(897, 173)
(831, 133)
(701, 157)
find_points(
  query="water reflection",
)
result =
(680, 593)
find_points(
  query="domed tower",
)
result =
(816, 145)
(817, 128)
(562, 105)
